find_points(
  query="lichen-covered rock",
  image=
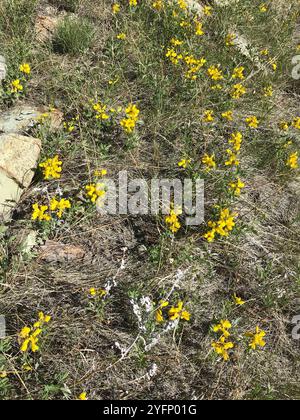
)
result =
(18, 159)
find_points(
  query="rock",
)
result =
(195, 6)
(28, 241)
(56, 252)
(18, 158)
(56, 119)
(21, 118)
(46, 23)
(3, 68)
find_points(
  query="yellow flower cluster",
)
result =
(238, 90)
(52, 168)
(172, 220)
(29, 336)
(70, 126)
(25, 69)
(158, 4)
(222, 345)
(191, 65)
(293, 161)
(41, 212)
(184, 163)
(252, 121)
(95, 191)
(222, 227)
(209, 162)
(174, 312)
(59, 206)
(237, 186)
(101, 293)
(116, 8)
(101, 111)
(257, 338)
(132, 116)
(16, 85)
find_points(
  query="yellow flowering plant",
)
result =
(52, 168)
(29, 337)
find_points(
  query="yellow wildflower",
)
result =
(29, 337)
(236, 139)
(82, 396)
(296, 123)
(263, 8)
(132, 111)
(252, 122)
(100, 110)
(184, 163)
(39, 213)
(172, 220)
(199, 28)
(229, 40)
(264, 52)
(159, 313)
(221, 347)
(182, 4)
(101, 173)
(52, 168)
(59, 206)
(178, 312)
(228, 115)
(238, 91)
(237, 187)
(238, 73)
(128, 124)
(209, 116)
(207, 10)
(238, 301)
(176, 42)
(223, 327)
(232, 159)
(158, 4)
(257, 338)
(293, 161)
(25, 68)
(95, 191)
(268, 91)
(16, 86)
(116, 8)
(209, 161)
(215, 73)
(284, 126)
(122, 36)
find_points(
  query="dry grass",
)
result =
(259, 262)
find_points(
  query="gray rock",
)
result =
(18, 159)
(19, 119)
